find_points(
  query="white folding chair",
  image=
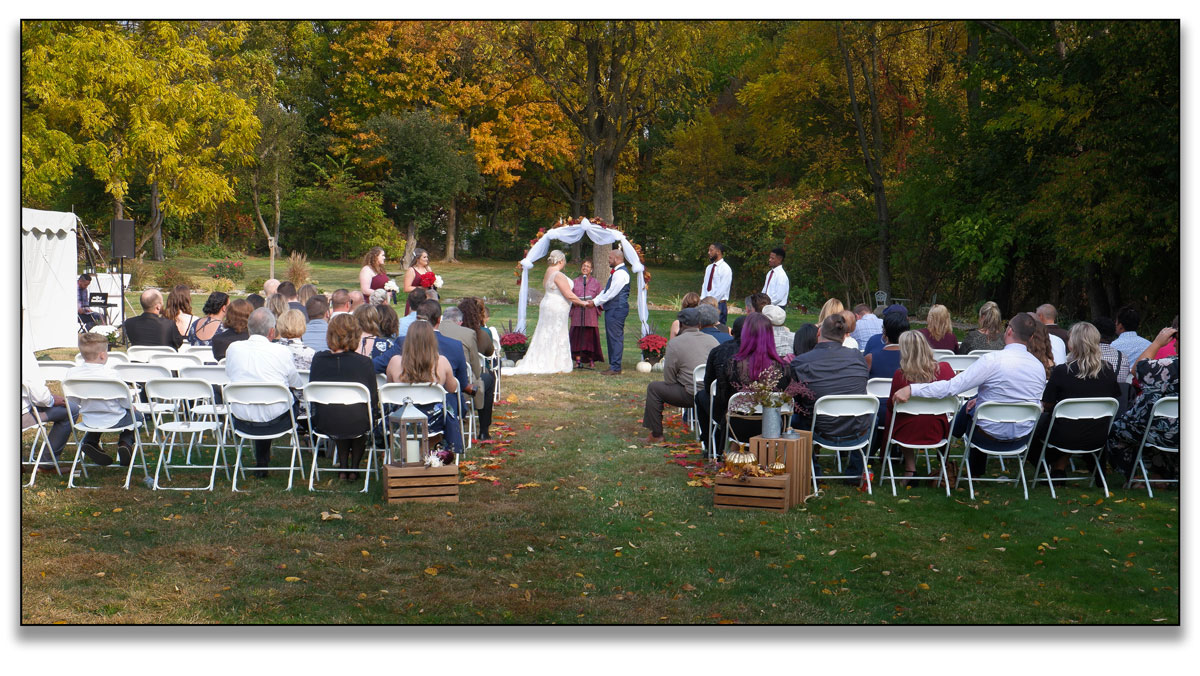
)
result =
(979, 353)
(114, 358)
(1000, 412)
(959, 362)
(174, 361)
(494, 361)
(97, 388)
(1090, 408)
(54, 370)
(186, 395)
(41, 439)
(1167, 407)
(880, 388)
(142, 353)
(712, 423)
(203, 351)
(919, 406)
(939, 353)
(844, 406)
(217, 378)
(399, 394)
(697, 386)
(263, 394)
(344, 394)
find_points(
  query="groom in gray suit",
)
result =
(614, 301)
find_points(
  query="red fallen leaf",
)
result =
(527, 427)
(495, 483)
(495, 451)
(512, 453)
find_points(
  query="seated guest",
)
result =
(1172, 348)
(339, 303)
(1039, 345)
(317, 310)
(179, 309)
(866, 324)
(805, 339)
(883, 362)
(256, 301)
(289, 293)
(708, 322)
(1045, 316)
(758, 301)
(720, 326)
(714, 365)
(684, 353)
(1128, 341)
(202, 330)
(938, 330)
(851, 321)
(1159, 378)
(831, 306)
(419, 362)
(86, 315)
(356, 299)
(1111, 355)
(47, 406)
(415, 298)
(389, 324)
(234, 328)
(989, 335)
(1084, 375)
(832, 368)
(452, 327)
(1048, 315)
(368, 322)
(917, 365)
(755, 356)
(475, 317)
(290, 331)
(270, 287)
(150, 327)
(783, 336)
(277, 304)
(349, 426)
(305, 292)
(895, 307)
(690, 299)
(1008, 375)
(256, 359)
(101, 413)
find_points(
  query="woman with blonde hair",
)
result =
(989, 335)
(290, 328)
(690, 299)
(831, 306)
(368, 321)
(917, 365)
(179, 308)
(938, 330)
(1085, 374)
(305, 292)
(851, 322)
(420, 363)
(277, 304)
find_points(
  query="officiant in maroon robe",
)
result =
(585, 334)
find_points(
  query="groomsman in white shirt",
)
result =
(718, 278)
(777, 285)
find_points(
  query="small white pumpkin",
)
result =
(643, 367)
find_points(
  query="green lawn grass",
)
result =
(573, 520)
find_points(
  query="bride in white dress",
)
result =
(550, 349)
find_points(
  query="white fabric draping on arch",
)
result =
(571, 234)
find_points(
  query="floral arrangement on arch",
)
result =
(653, 345)
(231, 270)
(513, 339)
(762, 392)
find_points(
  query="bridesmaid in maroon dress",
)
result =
(418, 274)
(372, 275)
(585, 334)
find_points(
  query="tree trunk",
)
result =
(255, 184)
(451, 231)
(156, 219)
(602, 207)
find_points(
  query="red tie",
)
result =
(711, 269)
(769, 275)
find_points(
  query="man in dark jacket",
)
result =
(150, 327)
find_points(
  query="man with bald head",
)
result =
(270, 287)
(356, 298)
(1048, 315)
(150, 327)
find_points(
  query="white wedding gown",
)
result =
(550, 349)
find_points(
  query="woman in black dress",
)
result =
(233, 328)
(349, 426)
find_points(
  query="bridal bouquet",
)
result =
(391, 287)
(113, 333)
(764, 393)
(427, 280)
(437, 281)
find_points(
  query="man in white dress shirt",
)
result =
(1010, 375)
(258, 360)
(718, 278)
(777, 285)
(614, 301)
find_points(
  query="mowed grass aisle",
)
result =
(572, 520)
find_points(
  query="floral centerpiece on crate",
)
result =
(231, 270)
(514, 343)
(112, 333)
(763, 392)
(653, 347)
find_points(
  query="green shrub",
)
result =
(222, 284)
(212, 250)
(255, 285)
(227, 269)
(171, 276)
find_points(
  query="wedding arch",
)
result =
(600, 235)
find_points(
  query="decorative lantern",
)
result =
(413, 427)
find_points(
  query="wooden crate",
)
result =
(417, 483)
(797, 455)
(771, 493)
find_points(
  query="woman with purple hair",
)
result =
(755, 359)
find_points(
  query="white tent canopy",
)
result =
(48, 274)
(571, 234)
